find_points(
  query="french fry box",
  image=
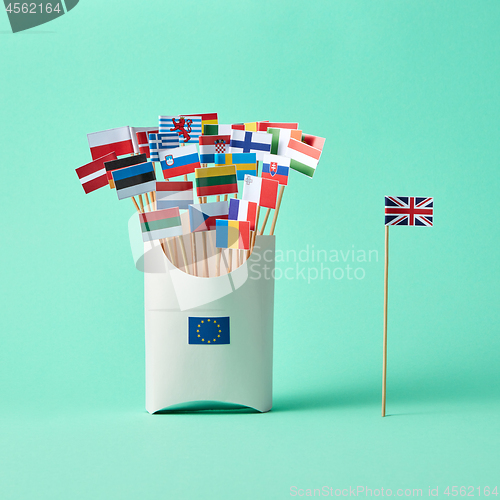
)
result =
(209, 340)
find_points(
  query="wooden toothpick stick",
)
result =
(148, 204)
(136, 205)
(268, 211)
(193, 254)
(183, 252)
(141, 203)
(386, 298)
(205, 257)
(276, 212)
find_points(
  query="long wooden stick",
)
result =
(386, 297)
(153, 199)
(219, 255)
(277, 211)
(183, 252)
(205, 257)
(141, 203)
(176, 255)
(193, 254)
(268, 211)
(136, 205)
(148, 204)
(166, 240)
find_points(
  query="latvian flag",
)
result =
(232, 234)
(243, 141)
(305, 155)
(260, 191)
(243, 210)
(174, 194)
(276, 167)
(216, 180)
(160, 224)
(409, 211)
(179, 161)
(122, 163)
(245, 163)
(117, 140)
(210, 145)
(93, 175)
(188, 128)
(157, 142)
(143, 141)
(202, 216)
(135, 180)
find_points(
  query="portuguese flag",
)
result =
(216, 180)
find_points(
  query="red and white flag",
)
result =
(263, 126)
(117, 140)
(261, 191)
(93, 175)
(142, 138)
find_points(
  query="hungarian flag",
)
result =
(179, 161)
(245, 163)
(261, 191)
(216, 180)
(93, 175)
(263, 126)
(202, 216)
(135, 180)
(281, 138)
(243, 210)
(143, 141)
(233, 234)
(276, 167)
(122, 163)
(211, 145)
(117, 140)
(160, 224)
(174, 194)
(305, 155)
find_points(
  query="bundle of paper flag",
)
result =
(223, 159)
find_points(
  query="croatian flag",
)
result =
(179, 161)
(157, 142)
(276, 167)
(243, 210)
(260, 191)
(243, 141)
(117, 140)
(210, 145)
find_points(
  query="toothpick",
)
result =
(183, 252)
(386, 300)
(148, 205)
(136, 205)
(141, 203)
(268, 211)
(205, 258)
(193, 254)
(276, 212)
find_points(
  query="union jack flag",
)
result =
(408, 211)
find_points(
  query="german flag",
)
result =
(216, 180)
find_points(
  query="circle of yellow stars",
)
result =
(208, 341)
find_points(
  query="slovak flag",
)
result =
(261, 191)
(210, 145)
(276, 167)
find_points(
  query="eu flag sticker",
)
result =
(211, 331)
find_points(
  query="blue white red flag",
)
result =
(408, 211)
(157, 142)
(276, 167)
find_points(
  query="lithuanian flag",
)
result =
(216, 180)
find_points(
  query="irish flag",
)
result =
(117, 140)
(216, 180)
(304, 155)
(260, 191)
(281, 138)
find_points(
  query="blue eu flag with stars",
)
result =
(208, 331)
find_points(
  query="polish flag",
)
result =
(117, 140)
(93, 175)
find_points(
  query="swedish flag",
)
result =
(208, 331)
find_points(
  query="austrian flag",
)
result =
(408, 211)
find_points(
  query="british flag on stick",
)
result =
(408, 211)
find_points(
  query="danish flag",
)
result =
(408, 211)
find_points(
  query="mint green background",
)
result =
(407, 95)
